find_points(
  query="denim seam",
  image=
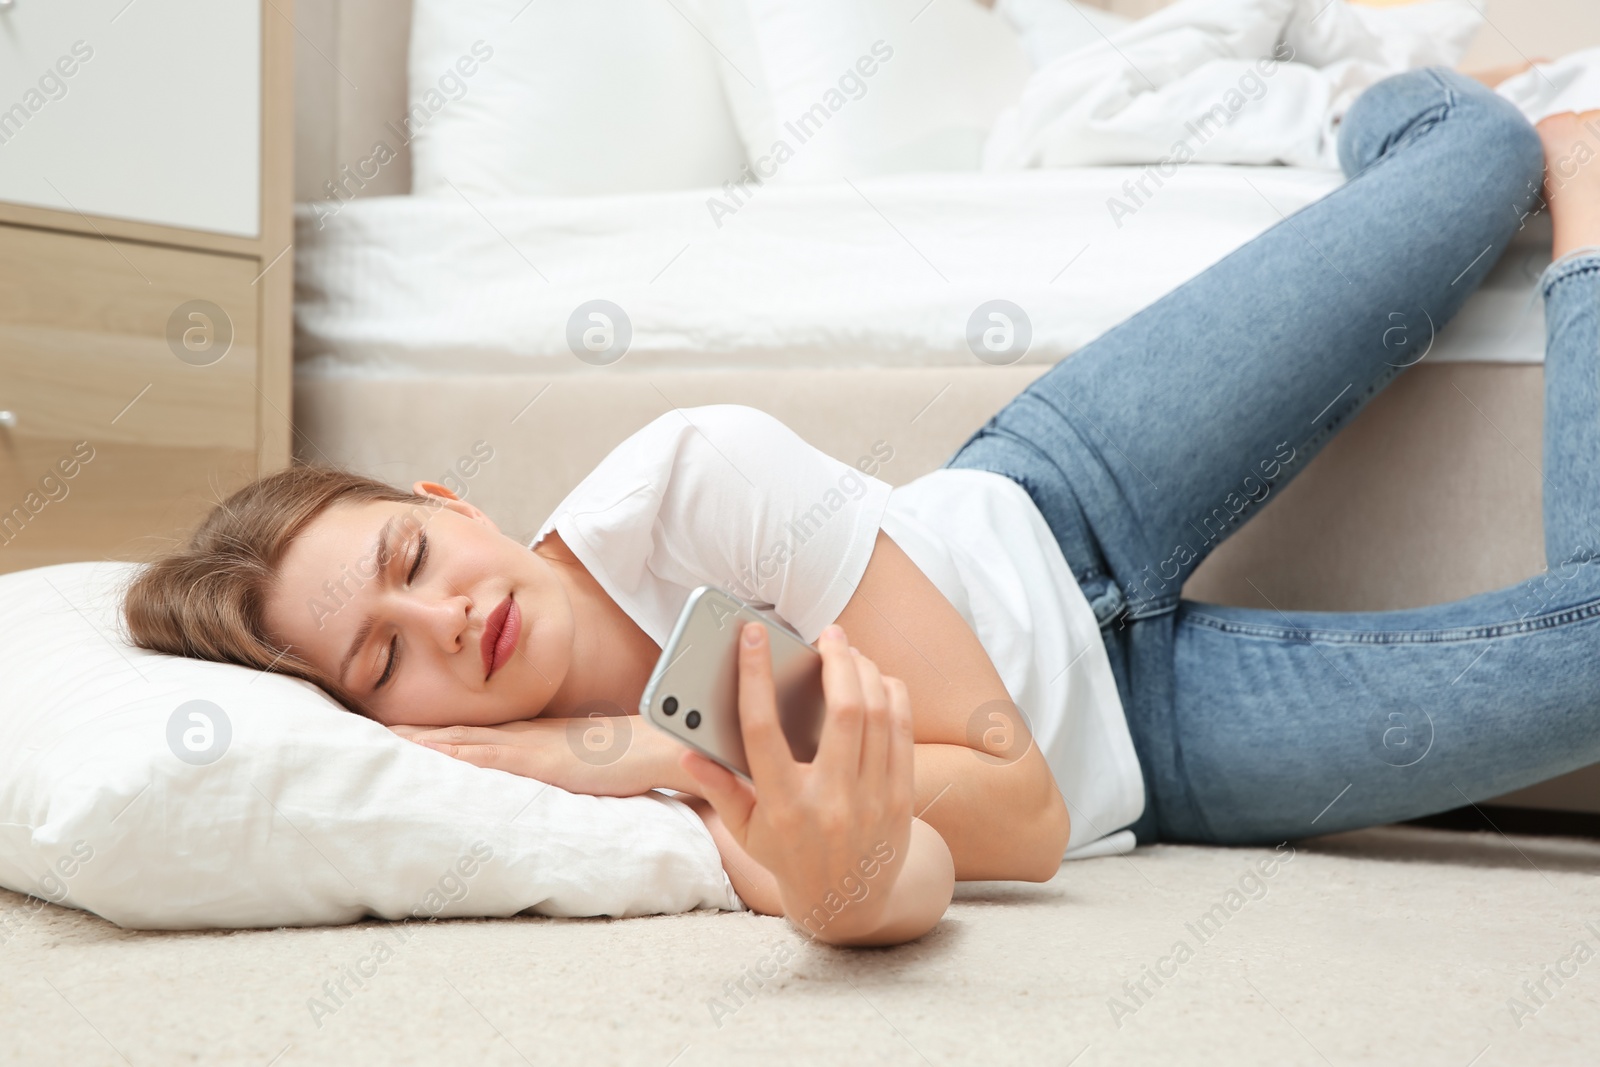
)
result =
(1421, 125)
(1425, 121)
(1578, 613)
(1582, 265)
(1327, 429)
(1164, 605)
(1036, 390)
(1449, 91)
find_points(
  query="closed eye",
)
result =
(422, 554)
(388, 669)
(394, 652)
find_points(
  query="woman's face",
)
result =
(413, 612)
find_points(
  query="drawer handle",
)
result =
(8, 419)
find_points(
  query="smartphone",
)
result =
(693, 694)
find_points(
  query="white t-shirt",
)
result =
(728, 495)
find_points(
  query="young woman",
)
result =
(1040, 569)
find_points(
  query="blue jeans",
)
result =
(1148, 447)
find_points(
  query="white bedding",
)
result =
(1247, 81)
(1278, 74)
(880, 272)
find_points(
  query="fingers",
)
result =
(875, 723)
(839, 751)
(481, 746)
(494, 757)
(474, 735)
(729, 794)
(766, 748)
(459, 735)
(902, 746)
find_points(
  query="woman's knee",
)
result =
(1491, 139)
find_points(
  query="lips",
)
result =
(500, 632)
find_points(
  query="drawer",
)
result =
(148, 110)
(123, 424)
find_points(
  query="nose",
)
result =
(442, 620)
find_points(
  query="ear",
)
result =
(453, 502)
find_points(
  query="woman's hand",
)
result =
(835, 832)
(601, 755)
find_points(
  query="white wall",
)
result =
(349, 80)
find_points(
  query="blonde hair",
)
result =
(208, 599)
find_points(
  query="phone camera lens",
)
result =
(669, 705)
(692, 720)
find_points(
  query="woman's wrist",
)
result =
(658, 754)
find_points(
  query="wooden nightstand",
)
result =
(145, 267)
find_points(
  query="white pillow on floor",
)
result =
(305, 815)
(830, 89)
(565, 97)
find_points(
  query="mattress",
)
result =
(880, 272)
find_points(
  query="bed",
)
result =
(427, 324)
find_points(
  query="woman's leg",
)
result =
(1165, 434)
(1572, 376)
(1298, 723)
(1161, 437)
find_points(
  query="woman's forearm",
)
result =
(1002, 820)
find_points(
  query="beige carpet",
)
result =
(1394, 945)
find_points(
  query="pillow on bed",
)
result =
(830, 89)
(162, 792)
(509, 98)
